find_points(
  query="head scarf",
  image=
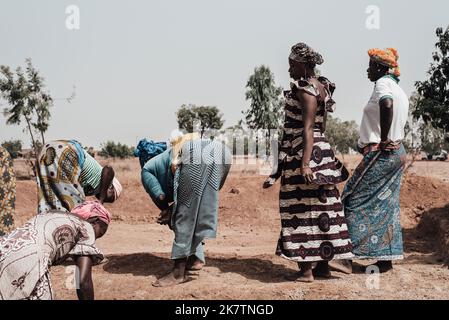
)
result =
(147, 149)
(388, 57)
(92, 209)
(301, 52)
(117, 188)
(177, 141)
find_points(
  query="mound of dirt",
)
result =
(418, 195)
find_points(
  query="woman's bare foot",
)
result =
(194, 264)
(344, 266)
(322, 270)
(169, 280)
(305, 276)
(177, 276)
(305, 273)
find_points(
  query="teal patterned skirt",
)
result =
(371, 205)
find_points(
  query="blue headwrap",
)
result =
(147, 149)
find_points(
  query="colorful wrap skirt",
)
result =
(371, 204)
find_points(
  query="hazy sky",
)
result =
(135, 62)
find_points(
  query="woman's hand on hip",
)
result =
(307, 173)
(388, 145)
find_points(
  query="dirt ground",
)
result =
(241, 263)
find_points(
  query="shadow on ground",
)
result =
(146, 264)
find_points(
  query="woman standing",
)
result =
(313, 224)
(371, 196)
(7, 192)
(66, 174)
(184, 183)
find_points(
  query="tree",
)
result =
(266, 105)
(28, 100)
(110, 149)
(208, 118)
(421, 135)
(14, 147)
(433, 105)
(342, 135)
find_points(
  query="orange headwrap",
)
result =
(388, 57)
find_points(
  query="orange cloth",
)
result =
(388, 57)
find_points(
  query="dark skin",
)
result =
(84, 264)
(298, 71)
(376, 71)
(106, 193)
(179, 273)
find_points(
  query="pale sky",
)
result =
(135, 62)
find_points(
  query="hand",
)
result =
(388, 145)
(268, 183)
(307, 173)
(164, 216)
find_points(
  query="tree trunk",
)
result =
(43, 139)
(32, 136)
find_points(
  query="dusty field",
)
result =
(241, 263)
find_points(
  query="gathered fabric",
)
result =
(371, 205)
(148, 149)
(301, 52)
(202, 172)
(92, 209)
(58, 170)
(387, 57)
(27, 253)
(312, 219)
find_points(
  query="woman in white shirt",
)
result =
(371, 196)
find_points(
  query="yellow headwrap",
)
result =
(388, 57)
(177, 143)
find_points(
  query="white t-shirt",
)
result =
(385, 87)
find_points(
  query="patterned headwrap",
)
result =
(388, 57)
(301, 52)
(148, 149)
(92, 209)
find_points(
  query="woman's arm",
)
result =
(153, 188)
(107, 175)
(310, 106)
(386, 118)
(86, 286)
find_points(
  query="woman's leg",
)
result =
(196, 261)
(344, 265)
(177, 276)
(384, 266)
(305, 273)
(322, 270)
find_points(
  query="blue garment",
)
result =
(205, 165)
(80, 151)
(157, 178)
(193, 189)
(147, 149)
(371, 204)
